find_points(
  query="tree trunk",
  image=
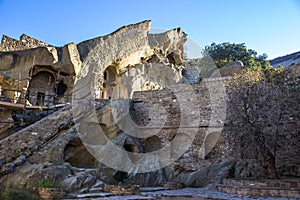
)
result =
(268, 156)
(269, 160)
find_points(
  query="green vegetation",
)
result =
(46, 184)
(226, 52)
(15, 194)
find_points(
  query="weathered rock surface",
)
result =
(20, 160)
(25, 42)
(229, 70)
(70, 62)
(129, 52)
(169, 44)
(14, 61)
(126, 41)
(7, 168)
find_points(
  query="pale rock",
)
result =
(229, 70)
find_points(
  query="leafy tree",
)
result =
(258, 103)
(226, 52)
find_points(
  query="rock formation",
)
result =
(127, 48)
(229, 70)
(34, 73)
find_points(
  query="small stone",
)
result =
(20, 160)
(7, 168)
(172, 185)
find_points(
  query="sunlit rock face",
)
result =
(130, 54)
(110, 67)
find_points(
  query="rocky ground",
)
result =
(165, 194)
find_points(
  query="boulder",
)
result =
(7, 168)
(20, 160)
(78, 181)
(229, 70)
(209, 175)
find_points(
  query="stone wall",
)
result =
(177, 112)
(25, 142)
(25, 42)
(161, 112)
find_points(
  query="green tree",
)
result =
(226, 52)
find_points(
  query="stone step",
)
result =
(96, 190)
(280, 183)
(103, 195)
(259, 191)
(88, 195)
(152, 189)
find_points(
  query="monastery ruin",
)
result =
(62, 108)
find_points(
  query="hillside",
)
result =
(286, 60)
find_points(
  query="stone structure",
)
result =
(28, 65)
(128, 67)
(34, 73)
(25, 42)
(51, 147)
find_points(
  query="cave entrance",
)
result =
(60, 92)
(77, 155)
(130, 148)
(61, 89)
(152, 143)
(109, 82)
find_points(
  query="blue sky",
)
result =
(267, 26)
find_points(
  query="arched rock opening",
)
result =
(61, 89)
(109, 82)
(77, 155)
(152, 143)
(212, 150)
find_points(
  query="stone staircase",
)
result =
(282, 188)
(111, 191)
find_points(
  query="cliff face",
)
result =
(286, 60)
(113, 66)
(127, 48)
